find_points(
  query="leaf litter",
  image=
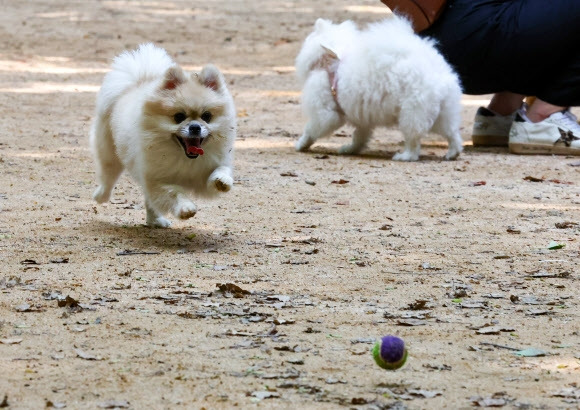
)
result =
(294, 306)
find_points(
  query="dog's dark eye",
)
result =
(179, 117)
(206, 116)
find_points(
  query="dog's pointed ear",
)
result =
(321, 24)
(174, 76)
(212, 78)
(329, 52)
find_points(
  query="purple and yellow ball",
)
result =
(390, 352)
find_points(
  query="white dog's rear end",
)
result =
(384, 75)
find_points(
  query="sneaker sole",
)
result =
(541, 149)
(489, 140)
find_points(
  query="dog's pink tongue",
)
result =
(194, 150)
(193, 146)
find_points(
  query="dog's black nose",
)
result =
(194, 129)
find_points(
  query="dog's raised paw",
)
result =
(186, 210)
(222, 186)
(222, 182)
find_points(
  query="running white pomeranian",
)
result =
(173, 132)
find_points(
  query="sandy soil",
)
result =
(273, 294)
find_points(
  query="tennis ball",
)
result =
(390, 352)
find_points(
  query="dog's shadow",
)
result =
(135, 239)
(386, 154)
(375, 153)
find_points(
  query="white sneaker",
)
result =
(491, 129)
(558, 134)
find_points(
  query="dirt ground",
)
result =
(273, 295)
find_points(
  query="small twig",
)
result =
(499, 346)
(130, 252)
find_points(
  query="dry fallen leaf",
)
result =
(283, 40)
(419, 304)
(489, 402)
(127, 252)
(114, 404)
(411, 322)
(265, 394)
(55, 405)
(478, 183)
(13, 341)
(533, 179)
(289, 174)
(230, 288)
(427, 394)
(566, 225)
(494, 330)
(531, 352)
(568, 393)
(84, 355)
(439, 367)
(473, 305)
(557, 181)
(513, 230)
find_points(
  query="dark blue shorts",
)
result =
(529, 47)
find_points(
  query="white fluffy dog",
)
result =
(381, 76)
(173, 132)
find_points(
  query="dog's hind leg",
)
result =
(163, 198)
(319, 125)
(412, 149)
(414, 122)
(109, 166)
(154, 219)
(360, 137)
(448, 124)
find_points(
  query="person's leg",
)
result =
(464, 34)
(505, 103)
(491, 125)
(540, 110)
(513, 48)
(539, 52)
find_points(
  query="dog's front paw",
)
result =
(223, 183)
(101, 195)
(303, 143)
(349, 149)
(220, 180)
(185, 210)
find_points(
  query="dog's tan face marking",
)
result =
(185, 110)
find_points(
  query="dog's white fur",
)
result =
(135, 129)
(385, 75)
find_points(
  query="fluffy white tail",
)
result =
(130, 68)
